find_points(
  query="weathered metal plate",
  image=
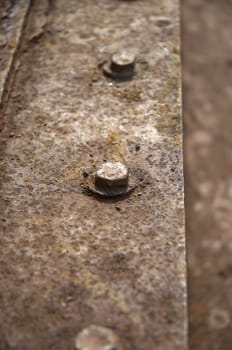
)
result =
(68, 259)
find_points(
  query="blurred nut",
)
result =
(97, 338)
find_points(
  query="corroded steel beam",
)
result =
(73, 255)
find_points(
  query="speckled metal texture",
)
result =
(70, 259)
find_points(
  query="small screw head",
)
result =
(97, 338)
(121, 66)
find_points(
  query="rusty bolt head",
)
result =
(123, 62)
(121, 66)
(110, 180)
(112, 177)
(97, 338)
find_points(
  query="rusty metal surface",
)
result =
(69, 259)
(12, 18)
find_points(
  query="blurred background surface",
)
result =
(207, 90)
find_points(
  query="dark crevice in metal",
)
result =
(9, 81)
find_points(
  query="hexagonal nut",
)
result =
(112, 176)
(121, 65)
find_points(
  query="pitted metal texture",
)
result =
(71, 259)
